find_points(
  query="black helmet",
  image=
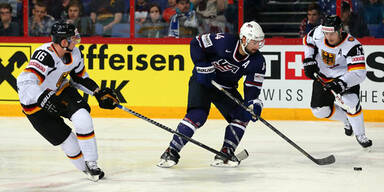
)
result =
(332, 23)
(60, 31)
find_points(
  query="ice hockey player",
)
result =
(46, 96)
(339, 60)
(223, 58)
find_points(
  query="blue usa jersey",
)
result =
(219, 52)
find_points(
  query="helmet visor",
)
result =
(76, 38)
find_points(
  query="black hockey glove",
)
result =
(310, 67)
(49, 102)
(204, 75)
(337, 85)
(256, 106)
(107, 98)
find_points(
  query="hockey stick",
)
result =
(239, 157)
(323, 161)
(338, 99)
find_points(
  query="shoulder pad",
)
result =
(311, 32)
(44, 57)
(356, 50)
(317, 33)
(258, 64)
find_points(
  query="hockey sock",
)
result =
(82, 122)
(357, 122)
(72, 149)
(194, 119)
(339, 114)
(233, 134)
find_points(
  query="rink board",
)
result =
(153, 79)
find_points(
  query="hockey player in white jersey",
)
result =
(338, 60)
(46, 96)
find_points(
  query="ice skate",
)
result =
(348, 129)
(93, 172)
(169, 158)
(220, 161)
(364, 141)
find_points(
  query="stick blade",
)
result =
(242, 155)
(326, 161)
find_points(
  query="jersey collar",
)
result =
(236, 50)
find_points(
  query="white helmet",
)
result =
(251, 31)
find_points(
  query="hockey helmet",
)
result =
(60, 31)
(252, 31)
(331, 23)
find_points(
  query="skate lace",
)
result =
(92, 165)
(362, 138)
(347, 126)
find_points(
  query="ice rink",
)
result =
(130, 148)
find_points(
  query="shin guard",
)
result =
(193, 120)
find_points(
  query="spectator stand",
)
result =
(278, 39)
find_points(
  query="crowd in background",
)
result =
(361, 18)
(175, 18)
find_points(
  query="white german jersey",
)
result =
(345, 60)
(46, 71)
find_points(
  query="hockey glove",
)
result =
(48, 101)
(107, 98)
(256, 106)
(204, 75)
(337, 85)
(310, 67)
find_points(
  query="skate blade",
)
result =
(166, 163)
(220, 163)
(94, 178)
(368, 149)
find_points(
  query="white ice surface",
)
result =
(130, 148)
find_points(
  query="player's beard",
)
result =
(249, 51)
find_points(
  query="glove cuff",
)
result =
(309, 61)
(45, 96)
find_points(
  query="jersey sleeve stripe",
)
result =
(40, 76)
(81, 73)
(253, 84)
(30, 109)
(356, 66)
(306, 43)
(326, 80)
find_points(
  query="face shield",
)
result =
(76, 38)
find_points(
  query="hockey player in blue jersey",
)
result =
(223, 58)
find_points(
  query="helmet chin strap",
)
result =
(66, 48)
(244, 46)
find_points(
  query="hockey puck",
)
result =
(357, 168)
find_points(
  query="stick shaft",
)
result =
(174, 132)
(265, 122)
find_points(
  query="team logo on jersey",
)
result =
(223, 66)
(328, 58)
